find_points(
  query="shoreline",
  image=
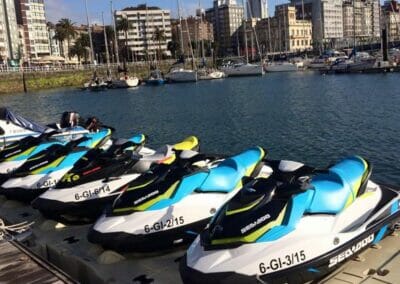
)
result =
(36, 81)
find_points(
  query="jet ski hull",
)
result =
(200, 265)
(124, 242)
(83, 201)
(158, 229)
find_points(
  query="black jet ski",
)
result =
(163, 208)
(97, 180)
(294, 231)
(46, 168)
(15, 154)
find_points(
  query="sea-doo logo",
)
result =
(13, 153)
(255, 223)
(38, 165)
(351, 251)
(145, 197)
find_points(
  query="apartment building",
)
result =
(143, 23)
(226, 16)
(31, 15)
(9, 35)
(257, 9)
(361, 19)
(391, 19)
(326, 17)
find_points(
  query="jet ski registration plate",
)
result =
(282, 262)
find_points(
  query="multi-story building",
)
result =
(285, 32)
(326, 17)
(226, 17)
(9, 36)
(31, 15)
(143, 24)
(54, 44)
(257, 9)
(391, 19)
(361, 20)
(196, 30)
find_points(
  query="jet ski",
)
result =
(15, 154)
(294, 231)
(166, 206)
(46, 168)
(95, 182)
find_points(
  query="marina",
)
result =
(322, 122)
(224, 141)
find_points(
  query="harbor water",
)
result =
(299, 116)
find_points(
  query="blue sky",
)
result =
(75, 9)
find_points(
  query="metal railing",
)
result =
(71, 67)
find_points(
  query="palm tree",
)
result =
(110, 38)
(159, 36)
(173, 47)
(65, 31)
(123, 25)
(81, 46)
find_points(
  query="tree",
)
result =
(110, 41)
(81, 46)
(65, 31)
(159, 36)
(173, 47)
(123, 25)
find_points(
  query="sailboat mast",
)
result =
(245, 34)
(106, 41)
(181, 28)
(354, 25)
(201, 28)
(115, 33)
(90, 32)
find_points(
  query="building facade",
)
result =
(31, 15)
(327, 20)
(391, 19)
(9, 35)
(143, 24)
(361, 20)
(285, 32)
(257, 9)
(196, 30)
(226, 16)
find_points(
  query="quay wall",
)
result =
(12, 82)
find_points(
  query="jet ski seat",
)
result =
(227, 175)
(189, 143)
(337, 189)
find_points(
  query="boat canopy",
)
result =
(10, 116)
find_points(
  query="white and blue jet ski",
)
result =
(293, 231)
(44, 169)
(93, 183)
(15, 154)
(166, 208)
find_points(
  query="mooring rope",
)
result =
(11, 231)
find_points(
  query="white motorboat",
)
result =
(283, 66)
(210, 74)
(125, 82)
(180, 75)
(232, 68)
(14, 127)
